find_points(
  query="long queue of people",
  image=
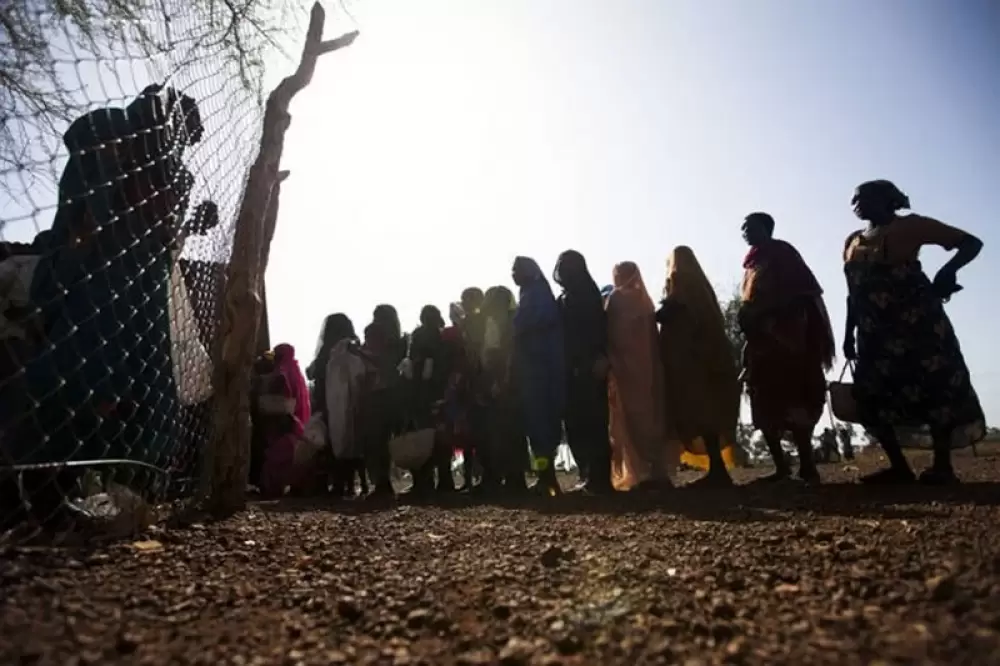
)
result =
(636, 388)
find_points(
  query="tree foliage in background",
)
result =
(749, 448)
(730, 315)
(42, 40)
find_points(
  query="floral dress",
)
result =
(910, 369)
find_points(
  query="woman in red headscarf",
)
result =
(284, 404)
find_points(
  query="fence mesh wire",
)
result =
(125, 145)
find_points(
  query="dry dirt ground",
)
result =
(764, 575)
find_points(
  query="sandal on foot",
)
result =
(938, 477)
(713, 481)
(810, 476)
(775, 477)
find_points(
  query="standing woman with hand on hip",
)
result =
(909, 366)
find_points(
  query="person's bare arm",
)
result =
(928, 231)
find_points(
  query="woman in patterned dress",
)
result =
(910, 370)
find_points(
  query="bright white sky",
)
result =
(457, 134)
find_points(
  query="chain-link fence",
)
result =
(128, 133)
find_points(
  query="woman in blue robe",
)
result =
(539, 367)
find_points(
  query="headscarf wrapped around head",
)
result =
(626, 276)
(688, 285)
(386, 317)
(499, 301)
(471, 299)
(431, 317)
(885, 191)
(529, 268)
(630, 288)
(336, 327)
(288, 367)
(571, 271)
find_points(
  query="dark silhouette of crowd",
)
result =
(635, 389)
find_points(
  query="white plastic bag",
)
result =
(312, 442)
(412, 450)
(192, 364)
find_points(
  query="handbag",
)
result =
(842, 402)
(312, 442)
(412, 449)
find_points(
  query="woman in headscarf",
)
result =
(284, 405)
(336, 372)
(701, 379)
(427, 351)
(471, 326)
(910, 368)
(298, 391)
(386, 347)
(458, 403)
(585, 335)
(503, 452)
(336, 327)
(540, 363)
(395, 342)
(431, 363)
(789, 344)
(639, 448)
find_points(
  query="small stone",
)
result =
(481, 657)
(348, 609)
(844, 545)
(501, 611)
(552, 556)
(127, 643)
(516, 653)
(722, 632)
(336, 657)
(723, 611)
(661, 648)
(941, 588)
(418, 618)
(568, 645)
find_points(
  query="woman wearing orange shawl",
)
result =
(635, 387)
(789, 344)
(700, 374)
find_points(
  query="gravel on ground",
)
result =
(768, 574)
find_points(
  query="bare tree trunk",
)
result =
(270, 222)
(227, 459)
